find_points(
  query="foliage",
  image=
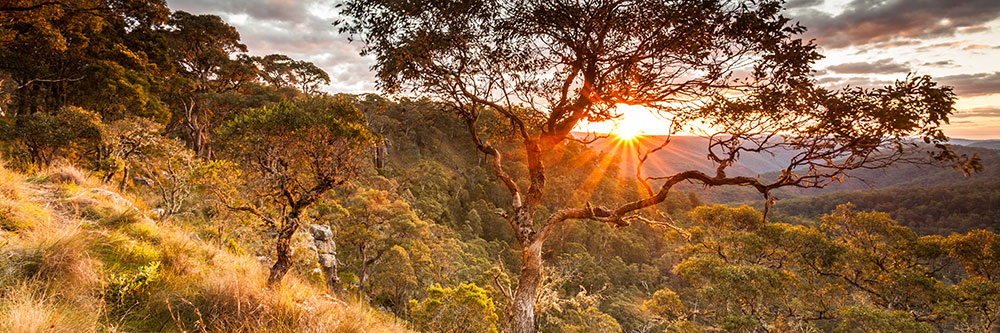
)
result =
(855, 269)
(69, 133)
(940, 209)
(466, 308)
(125, 291)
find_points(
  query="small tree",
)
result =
(290, 154)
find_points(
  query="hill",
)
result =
(988, 144)
(940, 209)
(684, 153)
(76, 256)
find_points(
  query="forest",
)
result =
(157, 176)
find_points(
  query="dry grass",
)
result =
(12, 185)
(65, 173)
(25, 309)
(16, 212)
(54, 276)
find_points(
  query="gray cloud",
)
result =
(300, 29)
(791, 4)
(282, 10)
(942, 63)
(884, 66)
(866, 21)
(967, 85)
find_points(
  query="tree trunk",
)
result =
(363, 274)
(121, 186)
(283, 248)
(523, 308)
(326, 254)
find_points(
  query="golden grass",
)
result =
(65, 173)
(24, 309)
(54, 275)
(16, 212)
(11, 184)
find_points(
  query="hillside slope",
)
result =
(77, 257)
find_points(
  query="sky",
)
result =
(867, 43)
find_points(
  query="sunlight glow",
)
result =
(635, 121)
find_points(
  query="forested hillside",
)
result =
(934, 209)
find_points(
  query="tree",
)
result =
(466, 308)
(201, 47)
(374, 223)
(69, 133)
(280, 71)
(85, 53)
(290, 154)
(543, 67)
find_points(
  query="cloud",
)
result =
(791, 4)
(978, 112)
(940, 45)
(282, 10)
(976, 47)
(884, 66)
(834, 82)
(300, 29)
(942, 63)
(867, 21)
(967, 85)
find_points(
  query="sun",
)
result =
(628, 130)
(633, 123)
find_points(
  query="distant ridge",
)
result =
(988, 144)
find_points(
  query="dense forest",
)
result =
(157, 177)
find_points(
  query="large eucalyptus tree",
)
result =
(544, 66)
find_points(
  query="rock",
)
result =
(326, 251)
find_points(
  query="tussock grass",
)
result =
(12, 185)
(25, 309)
(16, 212)
(65, 173)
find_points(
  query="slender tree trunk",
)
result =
(523, 308)
(283, 248)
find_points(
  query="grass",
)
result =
(81, 258)
(16, 212)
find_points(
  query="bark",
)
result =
(326, 254)
(523, 307)
(283, 248)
